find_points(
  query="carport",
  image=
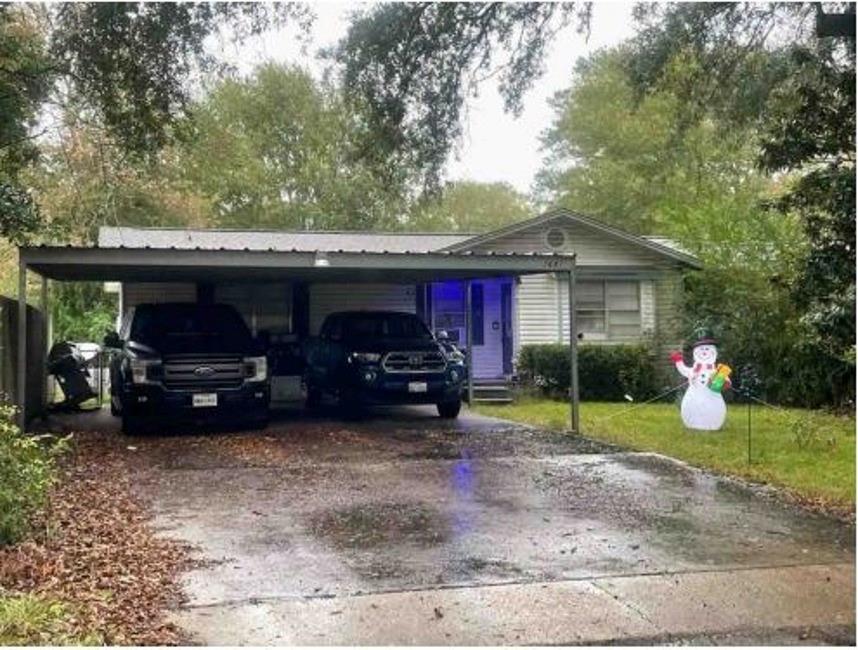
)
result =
(122, 264)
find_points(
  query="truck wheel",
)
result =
(132, 425)
(449, 410)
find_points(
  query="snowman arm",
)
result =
(683, 370)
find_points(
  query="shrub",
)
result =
(27, 470)
(605, 373)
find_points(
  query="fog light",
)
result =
(142, 398)
(257, 395)
(454, 376)
(369, 376)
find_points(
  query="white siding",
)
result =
(136, 293)
(592, 247)
(543, 310)
(328, 298)
(537, 304)
(648, 307)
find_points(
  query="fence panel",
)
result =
(36, 355)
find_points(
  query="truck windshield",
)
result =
(175, 328)
(387, 326)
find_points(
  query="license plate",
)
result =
(205, 399)
(417, 387)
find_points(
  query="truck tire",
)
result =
(449, 410)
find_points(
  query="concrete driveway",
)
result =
(406, 529)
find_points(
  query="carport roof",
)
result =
(205, 264)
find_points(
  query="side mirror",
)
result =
(112, 340)
(442, 335)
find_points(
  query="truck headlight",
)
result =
(144, 371)
(255, 368)
(365, 357)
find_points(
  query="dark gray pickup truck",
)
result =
(382, 357)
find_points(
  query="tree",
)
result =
(470, 206)
(639, 164)
(130, 66)
(414, 65)
(84, 179)
(23, 87)
(279, 150)
(803, 105)
(630, 162)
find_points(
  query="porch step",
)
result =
(494, 391)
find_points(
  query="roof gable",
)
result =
(649, 248)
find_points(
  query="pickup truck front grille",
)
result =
(203, 373)
(424, 361)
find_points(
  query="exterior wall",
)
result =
(669, 305)
(538, 309)
(264, 306)
(488, 357)
(136, 293)
(543, 303)
(328, 298)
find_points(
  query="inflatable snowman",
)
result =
(703, 407)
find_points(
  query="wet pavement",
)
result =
(404, 528)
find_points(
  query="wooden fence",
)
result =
(36, 355)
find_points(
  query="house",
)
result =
(628, 288)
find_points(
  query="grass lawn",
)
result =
(809, 452)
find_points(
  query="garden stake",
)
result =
(749, 432)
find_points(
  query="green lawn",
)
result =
(809, 452)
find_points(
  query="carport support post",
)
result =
(21, 370)
(573, 354)
(469, 335)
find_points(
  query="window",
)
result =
(608, 309)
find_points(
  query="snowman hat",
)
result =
(702, 336)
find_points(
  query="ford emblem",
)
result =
(204, 371)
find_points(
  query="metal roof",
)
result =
(277, 240)
(164, 265)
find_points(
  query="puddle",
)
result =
(381, 524)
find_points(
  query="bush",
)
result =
(27, 470)
(605, 373)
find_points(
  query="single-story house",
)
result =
(516, 280)
(628, 287)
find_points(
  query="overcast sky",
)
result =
(496, 146)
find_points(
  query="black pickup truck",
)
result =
(186, 360)
(382, 357)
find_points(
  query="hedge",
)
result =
(605, 373)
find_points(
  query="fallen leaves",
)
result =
(99, 554)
